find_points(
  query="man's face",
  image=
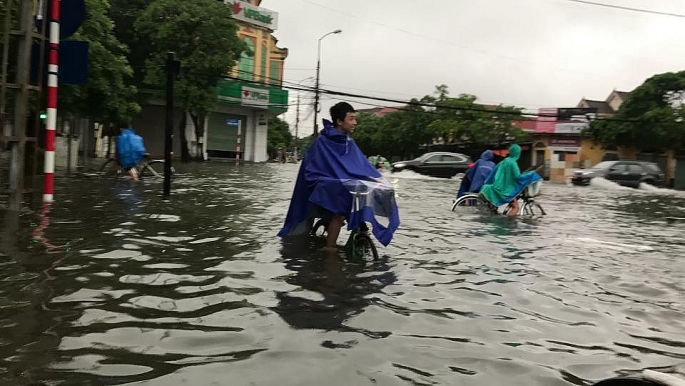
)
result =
(348, 125)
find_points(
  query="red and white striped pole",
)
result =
(237, 146)
(53, 61)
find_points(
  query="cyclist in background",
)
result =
(130, 150)
(475, 176)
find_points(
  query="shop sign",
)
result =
(254, 97)
(252, 14)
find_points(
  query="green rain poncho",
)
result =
(507, 181)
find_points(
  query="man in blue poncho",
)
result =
(130, 150)
(332, 170)
(475, 176)
(506, 182)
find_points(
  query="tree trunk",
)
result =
(185, 154)
(199, 123)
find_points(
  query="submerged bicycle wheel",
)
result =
(364, 246)
(319, 228)
(532, 208)
(153, 169)
(471, 200)
(110, 168)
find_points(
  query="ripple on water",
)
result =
(199, 289)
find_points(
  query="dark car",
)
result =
(437, 164)
(626, 173)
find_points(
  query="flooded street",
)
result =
(117, 287)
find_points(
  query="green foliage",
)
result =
(457, 120)
(203, 35)
(107, 96)
(124, 13)
(651, 118)
(278, 136)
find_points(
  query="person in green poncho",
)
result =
(506, 182)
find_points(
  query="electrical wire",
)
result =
(627, 8)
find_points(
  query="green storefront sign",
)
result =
(256, 15)
(253, 95)
(253, 14)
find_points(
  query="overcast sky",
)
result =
(528, 53)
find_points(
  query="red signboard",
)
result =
(547, 120)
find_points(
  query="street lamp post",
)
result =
(316, 91)
(297, 117)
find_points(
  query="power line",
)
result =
(417, 103)
(627, 8)
(452, 43)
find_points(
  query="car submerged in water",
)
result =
(625, 173)
(436, 164)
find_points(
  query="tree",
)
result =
(651, 118)
(278, 136)
(124, 13)
(367, 133)
(203, 35)
(106, 96)
(462, 120)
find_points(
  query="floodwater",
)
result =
(114, 286)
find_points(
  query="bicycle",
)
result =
(152, 168)
(527, 204)
(359, 244)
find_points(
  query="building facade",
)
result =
(250, 95)
(253, 92)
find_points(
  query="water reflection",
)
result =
(198, 290)
(330, 290)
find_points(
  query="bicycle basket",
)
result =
(533, 189)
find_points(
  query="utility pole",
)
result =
(5, 62)
(297, 124)
(316, 95)
(18, 140)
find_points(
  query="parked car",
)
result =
(626, 173)
(436, 164)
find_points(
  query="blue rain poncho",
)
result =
(476, 175)
(336, 178)
(130, 148)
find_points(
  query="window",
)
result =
(453, 158)
(635, 168)
(246, 63)
(263, 66)
(653, 168)
(620, 168)
(275, 73)
(604, 165)
(433, 158)
(561, 154)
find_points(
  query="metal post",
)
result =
(297, 124)
(316, 90)
(20, 120)
(43, 27)
(316, 93)
(237, 143)
(168, 129)
(53, 62)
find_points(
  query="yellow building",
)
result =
(257, 24)
(238, 126)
